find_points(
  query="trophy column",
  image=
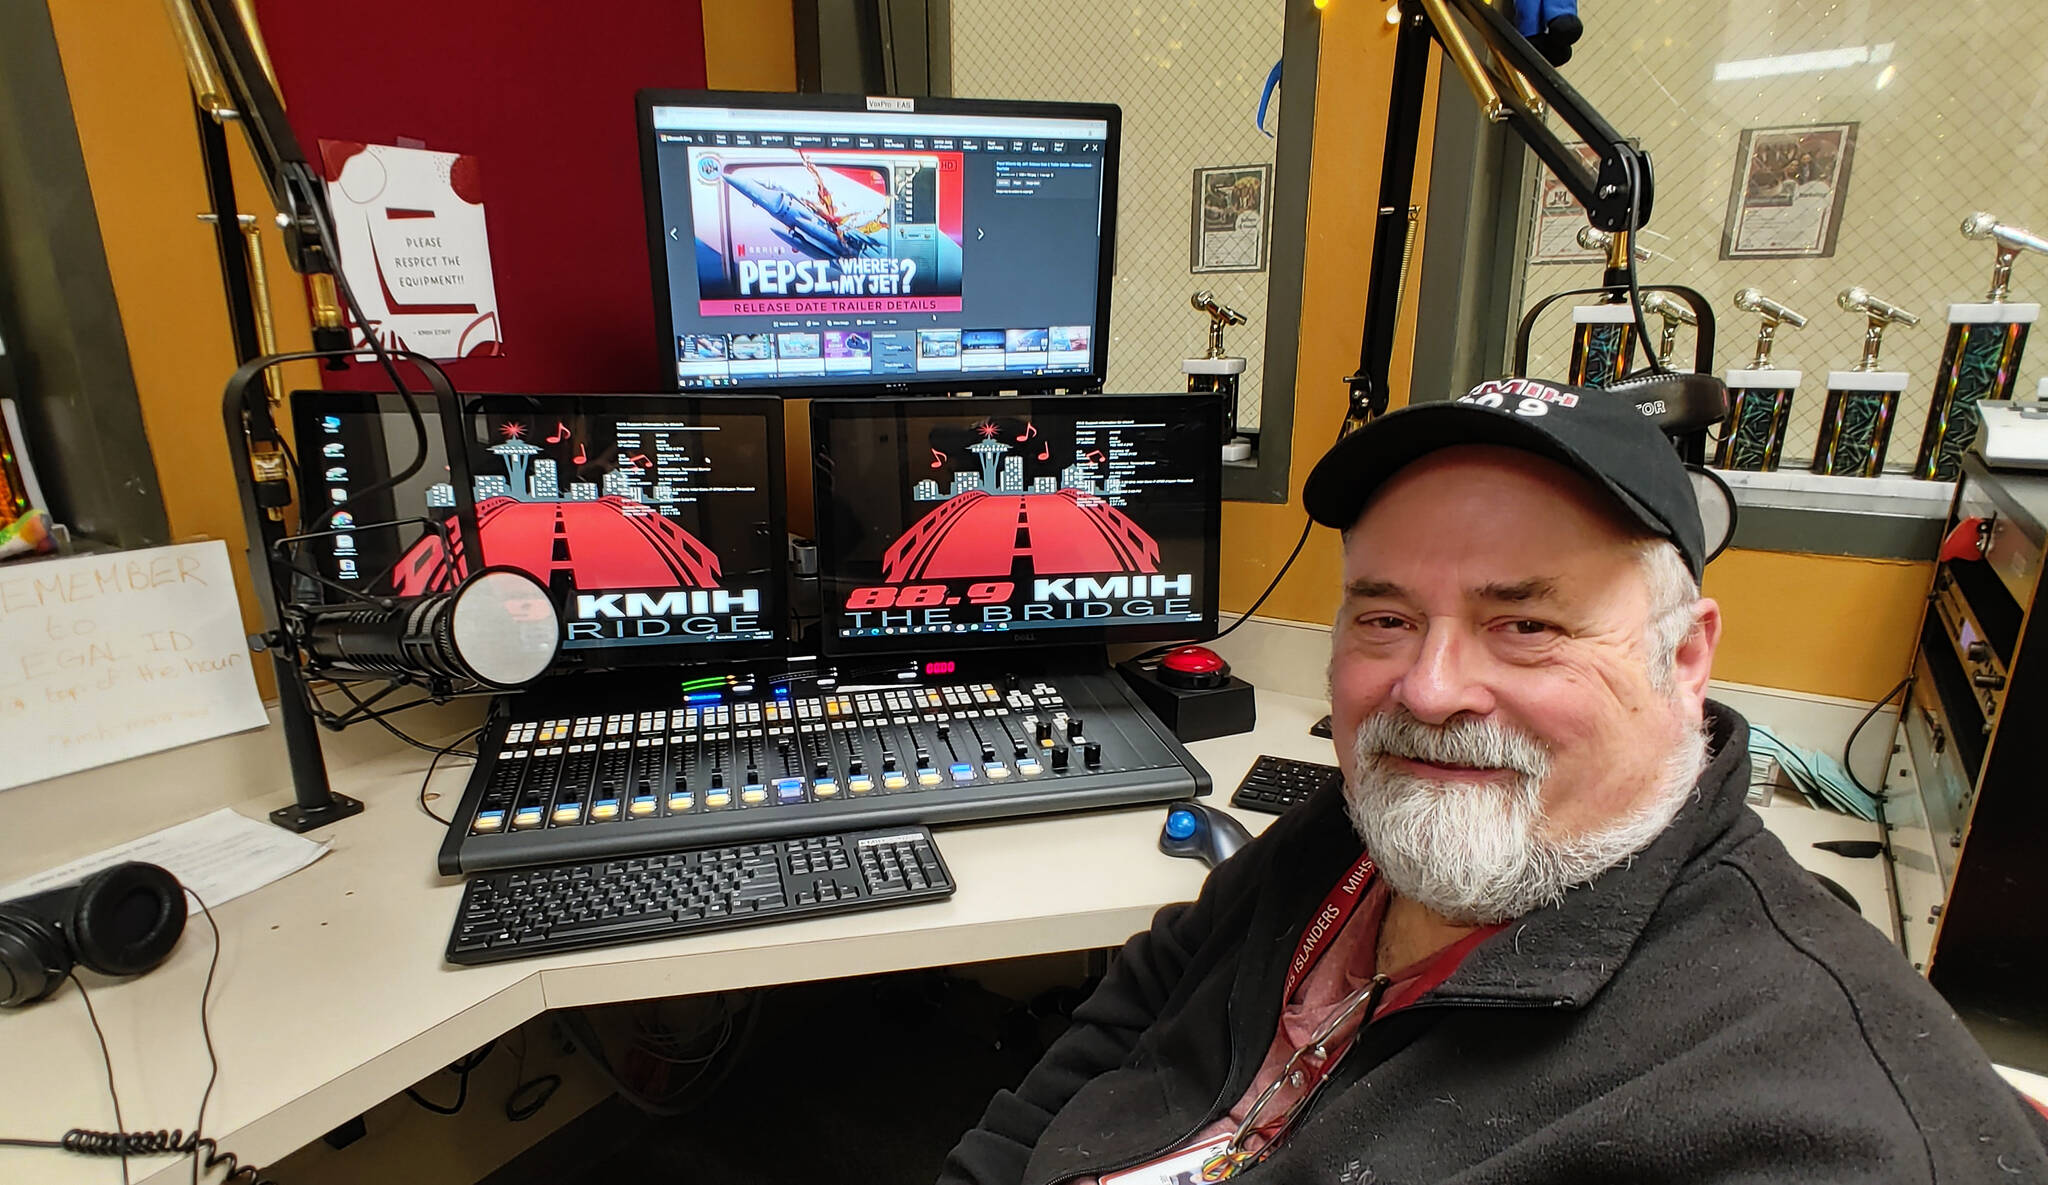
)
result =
(1856, 425)
(1603, 343)
(1981, 358)
(1759, 395)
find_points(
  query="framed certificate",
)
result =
(1785, 201)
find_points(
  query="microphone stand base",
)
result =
(300, 819)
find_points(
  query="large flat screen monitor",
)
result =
(656, 522)
(808, 244)
(1005, 521)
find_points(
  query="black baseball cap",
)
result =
(1597, 433)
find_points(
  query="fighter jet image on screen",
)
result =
(825, 230)
(814, 225)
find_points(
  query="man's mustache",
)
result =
(1476, 743)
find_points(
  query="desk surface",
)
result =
(332, 994)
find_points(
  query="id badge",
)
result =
(1177, 1168)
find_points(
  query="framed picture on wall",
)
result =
(1785, 201)
(1228, 220)
(1558, 217)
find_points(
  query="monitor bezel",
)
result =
(1206, 404)
(307, 405)
(646, 101)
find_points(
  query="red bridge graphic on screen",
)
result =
(976, 534)
(596, 543)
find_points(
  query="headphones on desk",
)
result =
(122, 920)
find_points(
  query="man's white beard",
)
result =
(1476, 852)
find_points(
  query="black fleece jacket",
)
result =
(1703, 1012)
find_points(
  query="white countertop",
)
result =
(332, 993)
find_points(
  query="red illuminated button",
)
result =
(1193, 667)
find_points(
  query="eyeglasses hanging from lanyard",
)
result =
(1306, 1069)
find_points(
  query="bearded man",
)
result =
(1539, 936)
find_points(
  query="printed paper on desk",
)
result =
(414, 248)
(218, 856)
(108, 657)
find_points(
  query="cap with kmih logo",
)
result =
(1600, 435)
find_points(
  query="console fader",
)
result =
(577, 774)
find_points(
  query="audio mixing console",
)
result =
(600, 769)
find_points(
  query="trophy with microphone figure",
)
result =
(1218, 371)
(1759, 395)
(1856, 425)
(1982, 357)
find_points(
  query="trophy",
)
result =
(1856, 426)
(1603, 335)
(1673, 312)
(1982, 356)
(1218, 371)
(1759, 395)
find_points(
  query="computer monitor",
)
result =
(829, 244)
(1007, 521)
(656, 522)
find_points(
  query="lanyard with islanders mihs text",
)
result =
(1312, 1062)
(1328, 921)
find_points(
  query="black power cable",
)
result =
(1635, 291)
(1849, 746)
(462, 1068)
(429, 775)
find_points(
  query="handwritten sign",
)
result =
(108, 657)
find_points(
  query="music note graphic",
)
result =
(641, 460)
(581, 457)
(562, 433)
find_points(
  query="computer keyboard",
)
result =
(517, 912)
(1276, 783)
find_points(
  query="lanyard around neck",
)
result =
(1328, 922)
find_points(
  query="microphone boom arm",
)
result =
(1617, 194)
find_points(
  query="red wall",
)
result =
(542, 95)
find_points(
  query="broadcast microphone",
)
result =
(1859, 300)
(1986, 226)
(498, 628)
(1752, 300)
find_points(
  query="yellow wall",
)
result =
(749, 45)
(1353, 80)
(141, 149)
(1831, 625)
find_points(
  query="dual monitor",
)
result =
(659, 526)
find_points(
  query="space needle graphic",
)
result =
(991, 452)
(517, 453)
(999, 529)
